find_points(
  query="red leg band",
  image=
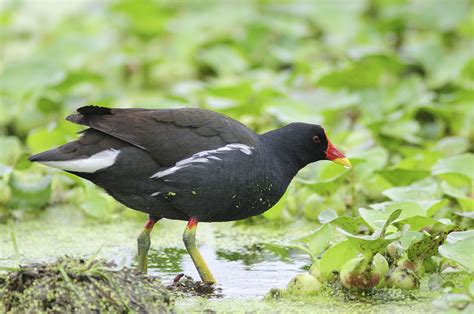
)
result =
(149, 224)
(192, 223)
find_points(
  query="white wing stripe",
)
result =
(203, 157)
(100, 160)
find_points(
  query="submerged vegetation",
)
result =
(391, 81)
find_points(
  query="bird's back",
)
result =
(174, 163)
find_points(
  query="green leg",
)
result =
(143, 243)
(189, 238)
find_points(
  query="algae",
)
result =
(76, 285)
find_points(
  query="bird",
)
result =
(188, 164)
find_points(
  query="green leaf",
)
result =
(450, 146)
(460, 164)
(31, 74)
(411, 236)
(416, 214)
(393, 216)
(417, 159)
(97, 203)
(4, 170)
(467, 204)
(327, 216)
(416, 222)
(274, 213)
(329, 176)
(29, 190)
(460, 252)
(376, 218)
(370, 244)
(457, 236)
(10, 150)
(402, 129)
(223, 59)
(336, 256)
(289, 110)
(369, 71)
(419, 191)
(317, 241)
(95, 207)
(403, 176)
(434, 15)
(349, 224)
(45, 138)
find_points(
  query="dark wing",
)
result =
(168, 135)
(206, 187)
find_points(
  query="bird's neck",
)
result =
(285, 149)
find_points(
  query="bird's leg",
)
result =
(143, 243)
(189, 238)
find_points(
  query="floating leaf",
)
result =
(327, 216)
(452, 145)
(29, 190)
(336, 256)
(274, 213)
(315, 242)
(31, 74)
(10, 150)
(45, 138)
(370, 244)
(457, 236)
(460, 252)
(416, 222)
(420, 191)
(460, 164)
(349, 224)
(403, 176)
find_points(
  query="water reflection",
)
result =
(249, 272)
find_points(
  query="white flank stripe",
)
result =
(243, 148)
(95, 162)
(203, 157)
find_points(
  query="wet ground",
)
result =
(244, 260)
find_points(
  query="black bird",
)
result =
(187, 164)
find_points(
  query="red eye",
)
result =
(316, 139)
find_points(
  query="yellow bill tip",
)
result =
(343, 162)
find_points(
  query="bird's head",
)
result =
(310, 143)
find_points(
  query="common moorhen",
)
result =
(187, 164)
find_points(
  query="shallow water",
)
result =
(243, 259)
(246, 274)
(245, 265)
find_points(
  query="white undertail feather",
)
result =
(100, 160)
(203, 157)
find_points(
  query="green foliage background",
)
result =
(391, 81)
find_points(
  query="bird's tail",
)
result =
(87, 154)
